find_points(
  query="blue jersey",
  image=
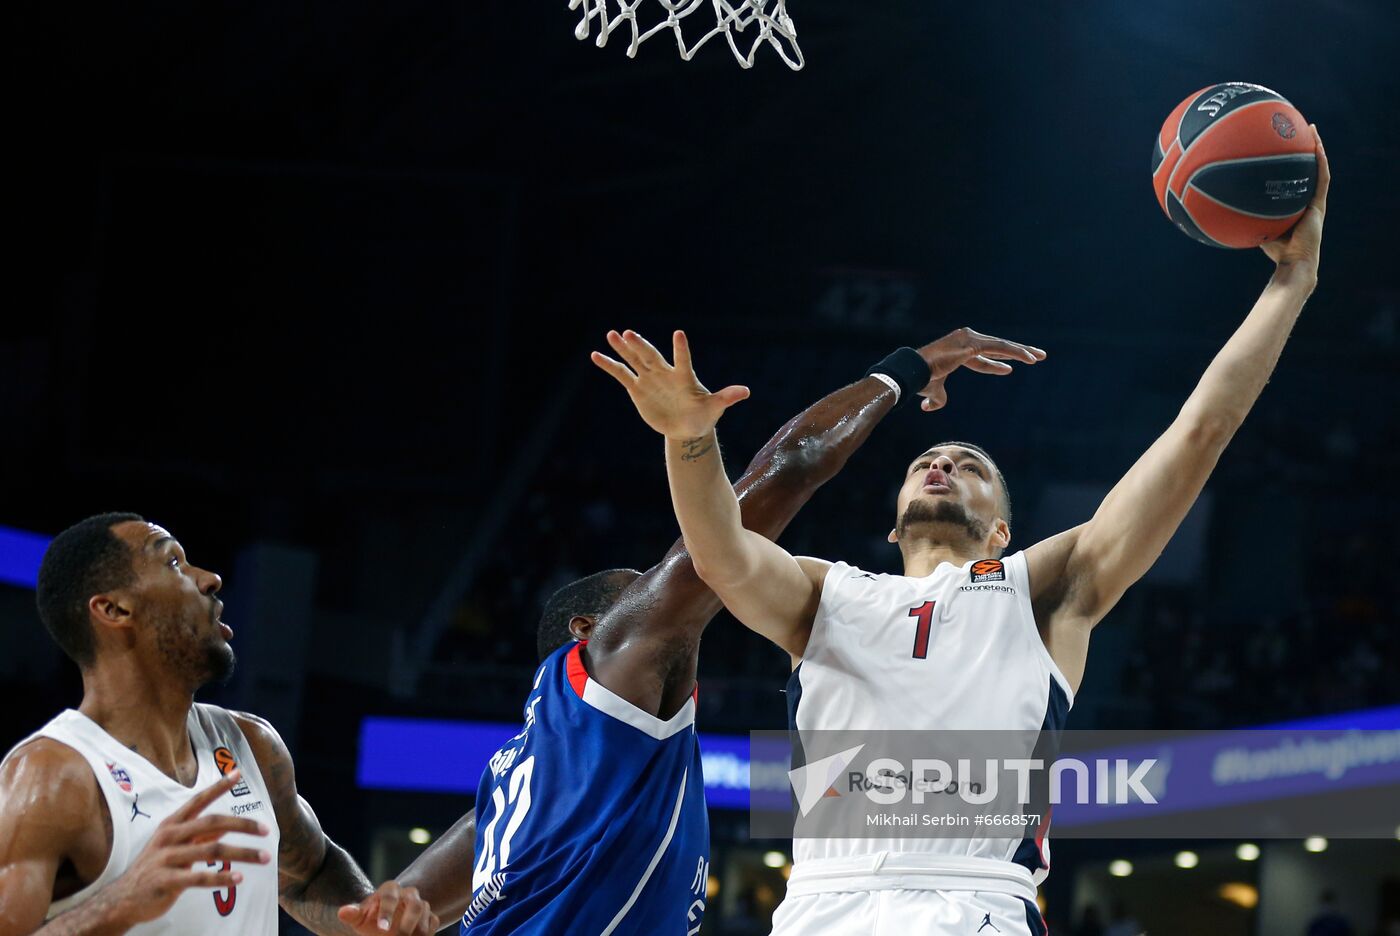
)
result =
(592, 820)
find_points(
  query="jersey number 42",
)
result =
(496, 855)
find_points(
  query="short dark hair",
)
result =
(84, 560)
(1004, 502)
(589, 597)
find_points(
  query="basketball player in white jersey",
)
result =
(142, 811)
(964, 639)
(643, 631)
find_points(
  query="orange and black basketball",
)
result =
(1234, 165)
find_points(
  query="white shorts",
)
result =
(907, 913)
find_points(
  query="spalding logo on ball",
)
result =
(1231, 166)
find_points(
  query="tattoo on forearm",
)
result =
(314, 903)
(315, 876)
(696, 448)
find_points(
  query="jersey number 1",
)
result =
(924, 613)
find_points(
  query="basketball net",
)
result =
(770, 17)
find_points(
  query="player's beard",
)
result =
(943, 513)
(194, 651)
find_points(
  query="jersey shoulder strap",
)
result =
(216, 733)
(1017, 575)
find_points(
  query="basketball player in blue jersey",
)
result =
(964, 639)
(142, 811)
(592, 820)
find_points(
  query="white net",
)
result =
(733, 19)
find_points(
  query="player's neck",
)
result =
(143, 710)
(921, 558)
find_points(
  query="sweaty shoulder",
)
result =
(267, 745)
(255, 728)
(274, 761)
(55, 829)
(48, 782)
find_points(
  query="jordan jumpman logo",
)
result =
(136, 808)
(986, 922)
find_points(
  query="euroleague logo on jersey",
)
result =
(121, 776)
(988, 570)
(224, 760)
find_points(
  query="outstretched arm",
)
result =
(768, 589)
(1077, 576)
(645, 648)
(809, 450)
(672, 401)
(316, 877)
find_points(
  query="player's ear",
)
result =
(1001, 534)
(893, 537)
(108, 611)
(581, 626)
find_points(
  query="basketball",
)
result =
(1233, 166)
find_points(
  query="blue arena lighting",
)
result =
(20, 554)
(1368, 720)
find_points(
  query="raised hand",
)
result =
(178, 854)
(391, 909)
(973, 350)
(1302, 245)
(669, 398)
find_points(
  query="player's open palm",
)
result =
(1303, 243)
(669, 398)
(180, 854)
(985, 354)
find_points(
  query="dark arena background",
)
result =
(313, 285)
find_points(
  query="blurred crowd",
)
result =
(1193, 669)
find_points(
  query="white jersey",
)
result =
(955, 650)
(139, 797)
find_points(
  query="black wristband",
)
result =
(907, 368)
